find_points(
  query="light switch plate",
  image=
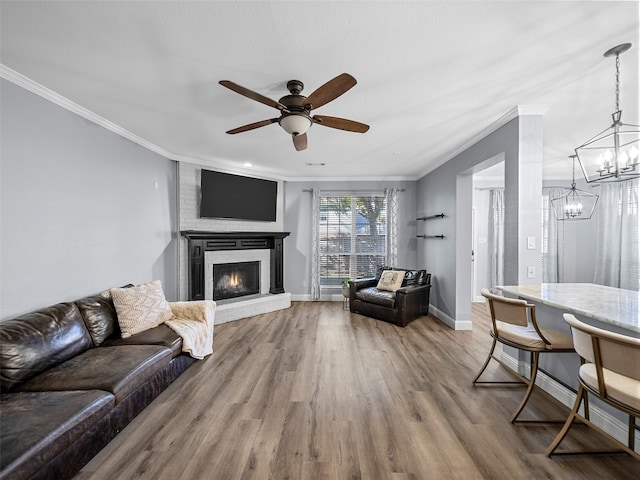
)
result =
(531, 243)
(531, 272)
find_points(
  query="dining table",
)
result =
(609, 308)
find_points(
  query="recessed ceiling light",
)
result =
(248, 164)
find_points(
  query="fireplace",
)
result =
(206, 249)
(202, 246)
(238, 279)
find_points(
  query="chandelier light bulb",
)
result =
(624, 158)
(608, 156)
(633, 153)
(573, 210)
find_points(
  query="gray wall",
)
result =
(83, 209)
(297, 220)
(438, 192)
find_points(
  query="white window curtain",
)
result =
(617, 246)
(496, 236)
(392, 226)
(552, 238)
(315, 245)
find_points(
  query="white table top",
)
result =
(606, 304)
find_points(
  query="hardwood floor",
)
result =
(315, 392)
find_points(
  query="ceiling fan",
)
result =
(295, 109)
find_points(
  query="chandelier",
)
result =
(612, 155)
(574, 204)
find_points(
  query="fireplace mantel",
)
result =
(200, 242)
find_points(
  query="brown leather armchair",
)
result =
(407, 303)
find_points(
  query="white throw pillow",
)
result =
(391, 280)
(140, 307)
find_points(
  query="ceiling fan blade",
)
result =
(251, 126)
(251, 94)
(300, 141)
(331, 90)
(340, 123)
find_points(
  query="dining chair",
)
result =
(513, 323)
(610, 370)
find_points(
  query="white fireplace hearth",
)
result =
(244, 307)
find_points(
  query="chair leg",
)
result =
(532, 383)
(486, 362)
(632, 432)
(567, 425)
(586, 406)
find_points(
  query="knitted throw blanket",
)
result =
(193, 321)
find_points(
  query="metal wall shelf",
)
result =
(431, 217)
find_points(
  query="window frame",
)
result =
(352, 254)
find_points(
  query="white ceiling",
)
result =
(432, 76)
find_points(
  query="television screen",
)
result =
(224, 195)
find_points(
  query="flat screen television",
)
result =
(224, 195)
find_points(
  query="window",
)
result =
(352, 236)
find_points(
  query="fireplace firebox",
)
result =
(232, 280)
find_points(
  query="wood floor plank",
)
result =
(315, 392)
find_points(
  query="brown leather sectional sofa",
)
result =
(401, 307)
(69, 384)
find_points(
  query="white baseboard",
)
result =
(614, 427)
(306, 297)
(448, 321)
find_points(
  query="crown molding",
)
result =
(515, 112)
(42, 91)
(48, 94)
(352, 179)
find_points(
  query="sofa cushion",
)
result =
(37, 341)
(378, 297)
(161, 335)
(391, 280)
(119, 370)
(100, 317)
(37, 426)
(140, 307)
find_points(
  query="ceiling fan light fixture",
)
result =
(295, 123)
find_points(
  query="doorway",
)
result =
(487, 230)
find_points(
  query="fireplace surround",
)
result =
(200, 242)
